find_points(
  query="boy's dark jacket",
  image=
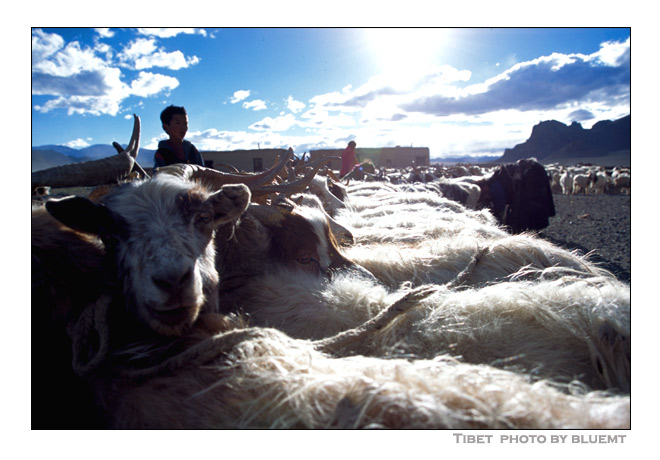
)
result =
(165, 155)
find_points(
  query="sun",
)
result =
(404, 54)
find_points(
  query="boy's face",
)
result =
(178, 127)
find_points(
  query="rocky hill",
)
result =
(554, 142)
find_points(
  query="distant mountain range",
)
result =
(607, 143)
(47, 156)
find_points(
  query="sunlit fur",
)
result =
(273, 381)
(521, 344)
(527, 303)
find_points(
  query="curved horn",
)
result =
(136, 166)
(94, 172)
(133, 147)
(231, 168)
(134, 144)
(332, 175)
(217, 179)
(297, 186)
(321, 161)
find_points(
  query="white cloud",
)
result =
(174, 60)
(213, 139)
(148, 84)
(104, 32)
(614, 53)
(137, 48)
(240, 95)
(293, 105)
(143, 53)
(44, 45)
(50, 58)
(255, 105)
(282, 123)
(81, 105)
(78, 143)
(169, 32)
(543, 84)
(85, 80)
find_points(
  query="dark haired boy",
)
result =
(176, 149)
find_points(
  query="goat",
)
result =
(460, 190)
(148, 244)
(566, 182)
(160, 233)
(599, 183)
(581, 182)
(159, 238)
(622, 183)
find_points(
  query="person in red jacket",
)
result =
(348, 159)
(176, 149)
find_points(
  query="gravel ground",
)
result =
(599, 223)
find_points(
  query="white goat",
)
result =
(622, 182)
(581, 183)
(566, 182)
(600, 183)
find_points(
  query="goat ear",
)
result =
(80, 214)
(229, 202)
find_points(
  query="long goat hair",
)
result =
(498, 331)
(533, 336)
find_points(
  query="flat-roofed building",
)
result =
(262, 159)
(388, 157)
(243, 160)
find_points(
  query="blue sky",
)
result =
(457, 91)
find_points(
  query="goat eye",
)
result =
(205, 217)
(304, 260)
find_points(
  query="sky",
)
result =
(458, 91)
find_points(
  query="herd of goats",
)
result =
(197, 298)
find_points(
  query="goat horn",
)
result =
(136, 166)
(332, 175)
(227, 166)
(217, 179)
(321, 161)
(296, 186)
(133, 147)
(94, 172)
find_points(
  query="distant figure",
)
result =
(176, 149)
(348, 159)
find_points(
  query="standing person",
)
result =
(348, 159)
(176, 149)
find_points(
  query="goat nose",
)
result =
(172, 279)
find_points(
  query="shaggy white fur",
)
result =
(526, 304)
(533, 336)
(273, 381)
